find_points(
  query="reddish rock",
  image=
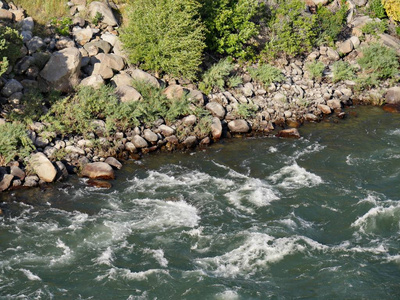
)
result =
(391, 108)
(98, 170)
(289, 133)
(99, 183)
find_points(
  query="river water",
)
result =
(255, 218)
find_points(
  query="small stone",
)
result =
(74, 149)
(334, 104)
(130, 147)
(190, 142)
(17, 172)
(166, 130)
(346, 47)
(216, 109)
(6, 182)
(190, 120)
(150, 136)
(333, 55)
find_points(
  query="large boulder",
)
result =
(62, 70)
(393, 96)
(98, 170)
(95, 81)
(112, 61)
(239, 126)
(12, 86)
(216, 128)
(106, 12)
(43, 167)
(140, 75)
(5, 182)
(216, 109)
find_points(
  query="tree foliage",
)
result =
(165, 36)
(231, 25)
(10, 47)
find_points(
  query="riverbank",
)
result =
(127, 121)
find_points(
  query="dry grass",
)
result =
(43, 10)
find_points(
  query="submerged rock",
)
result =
(99, 183)
(289, 133)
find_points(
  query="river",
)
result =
(252, 218)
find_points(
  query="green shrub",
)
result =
(14, 141)
(398, 30)
(234, 81)
(375, 27)
(376, 9)
(217, 76)
(330, 23)
(165, 36)
(266, 74)
(230, 25)
(392, 8)
(315, 69)
(10, 47)
(98, 17)
(246, 110)
(292, 31)
(342, 70)
(379, 62)
(62, 25)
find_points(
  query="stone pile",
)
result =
(93, 56)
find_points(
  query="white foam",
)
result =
(106, 257)
(368, 221)
(30, 275)
(159, 256)
(294, 177)
(256, 254)
(227, 295)
(170, 214)
(65, 257)
(309, 149)
(272, 149)
(394, 131)
(118, 273)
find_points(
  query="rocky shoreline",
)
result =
(93, 56)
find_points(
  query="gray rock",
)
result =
(31, 181)
(360, 2)
(216, 109)
(190, 142)
(95, 81)
(248, 89)
(26, 36)
(189, 120)
(83, 36)
(393, 96)
(122, 79)
(150, 136)
(64, 42)
(62, 70)
(128, 93)
(62, 172)
(110, 38)
(175, 91)
(106, 12)
(41, 142)
(130, 147)
(356, 41)
(113, 162)
(27, 24)
(280, 98)
(318, 2)
(49, 151)
(5, 183)
(140, 75)
(35, 44)
(43, 167)
(103, 70)
(102, 45)
(166, 130)
(17, 172)
(333, 55)
(12, 86)
(98, 170)
(334, 104)
(139, 142)
(216, 128)
(74, 149)
(390, 41)
(239, 126)
(112, 61)
(346, 47)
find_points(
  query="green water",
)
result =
(260, 218)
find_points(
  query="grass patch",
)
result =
(315, 69)
(342, 70)
(266, 74)
(219, 76)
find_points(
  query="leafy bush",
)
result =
(14, 141)
(217, 76)
(246, 110)
(315, 69)
(398, 30)
(230, 25)
(342, 70)
(292, 31)
(379, 62)
(10, 47)
(392, 8)
(376, 9)
(330, 23)
(165, 36)
(266, 74)
(98, 17)
(62, 25)
(375, 27)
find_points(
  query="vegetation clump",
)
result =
(14, 141)
(392, 8)
(10, 47)
(315, 69)
(231, 25)
(342, 70)
(219, 76)
(267, 74)
(376, 9)
(165, 36)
